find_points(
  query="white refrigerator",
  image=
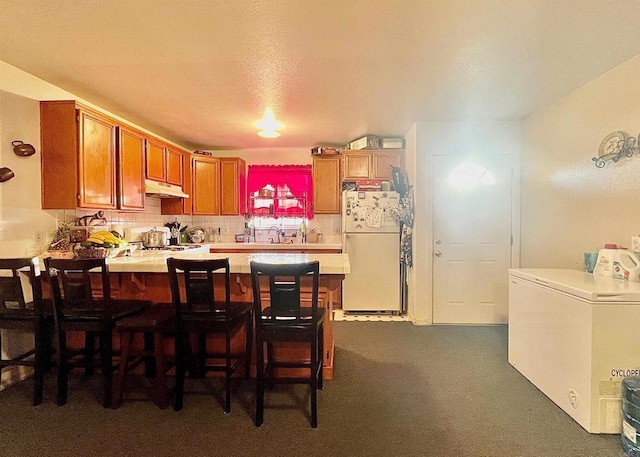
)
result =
(574, 335)
(371, 237)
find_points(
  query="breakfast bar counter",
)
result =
(156, 261)
(143, 275)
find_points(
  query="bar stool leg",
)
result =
(161, 389)
(260, 372)
(121, 375)
(106, 353)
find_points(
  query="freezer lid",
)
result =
(581, 284)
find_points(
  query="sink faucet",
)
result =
(278, 232)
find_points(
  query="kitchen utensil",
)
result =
(154, 238)
(266, 193)
(6, 174)
(175, 236)
(22, 149)
(197, 235)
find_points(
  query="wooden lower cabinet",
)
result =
(155, 287)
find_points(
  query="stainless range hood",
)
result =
(163, 190)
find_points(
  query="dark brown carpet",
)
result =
(399, 390)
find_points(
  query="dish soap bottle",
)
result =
(303, 232)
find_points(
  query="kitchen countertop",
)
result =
(276, 246)
(156, 261)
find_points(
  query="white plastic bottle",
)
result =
(604, 264)
(626, 265)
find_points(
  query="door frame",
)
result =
(515, 219)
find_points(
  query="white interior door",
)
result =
(472, 239)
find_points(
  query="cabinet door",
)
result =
(383, 161)
(97, 160)
(357, 165)
(59, 157)
(206, 175)
(326, 185)
(131, 153)
(174, 167)
(233, 194)
(178, 206)
(156, 161)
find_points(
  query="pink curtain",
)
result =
(297, 178)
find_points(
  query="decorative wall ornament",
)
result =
(614, 146)
(6, 174)
(23, 149)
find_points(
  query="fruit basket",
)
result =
(91, 253)
(60, 254)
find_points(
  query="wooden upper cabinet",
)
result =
(156, 160)
(371, 164)
(357, 165)
(164, 163)
(180, 206)
(233, 186)
(205, 186)
(382, 162)
(78, 160)
(131, 172)
(326, 185)
(175, 167)
(97, 161)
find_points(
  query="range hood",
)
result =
(163, 190)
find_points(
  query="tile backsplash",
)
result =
(328, 225)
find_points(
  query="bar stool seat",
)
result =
(154, 323)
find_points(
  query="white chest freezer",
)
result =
(575, 336)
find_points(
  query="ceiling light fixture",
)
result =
(269, 125)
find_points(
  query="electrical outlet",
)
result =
(39, 237)
(335, 231)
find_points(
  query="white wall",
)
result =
(20, 213)
(424, 140)
(568, 205)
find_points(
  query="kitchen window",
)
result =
(280, 191)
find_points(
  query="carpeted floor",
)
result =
(399, 390)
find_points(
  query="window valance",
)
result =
(291, 183)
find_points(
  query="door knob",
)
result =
(438, 254)
(438, 241)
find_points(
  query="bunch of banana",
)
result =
(104, 239)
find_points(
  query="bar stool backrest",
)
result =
(72, 289)
(285, 283)
(198, 284)
(12, 294)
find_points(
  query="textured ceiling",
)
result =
(201, 72)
